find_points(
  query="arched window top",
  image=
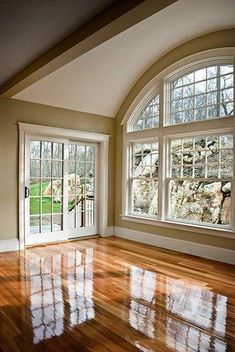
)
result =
(196, 88)
(176, 157)
(147, 117)
(205, 93)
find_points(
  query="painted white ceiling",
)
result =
(98, 81)
(28, 28)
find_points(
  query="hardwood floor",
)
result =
(110, 294)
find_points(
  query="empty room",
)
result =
(117, 191)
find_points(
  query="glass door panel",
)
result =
(61, 190)
(46, 189)
(81, 189)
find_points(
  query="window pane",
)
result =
(35, 205)
(81, 169)
(202, 157)
(57, 222)
(200, 201)
(145, 194)
(34, 224)
(57, 151)
(72, 168)
(145, 160)
(35, 187)
(213, 171)
(72, 151)
(226, 141)
(204, 94)
(81, 153)
(90, 153)
(46, 168)
(46, 223)
(35, 149)
(207, 200)
(149, 117)
(57, 205)
(46, 205)
(144, 185)
(57, 188)
(46, 187)
(57, 168)
(35, 168)
(46, 150)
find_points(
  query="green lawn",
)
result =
(46, 201)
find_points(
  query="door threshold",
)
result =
(74, 239)
(87, 237)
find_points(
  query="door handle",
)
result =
(26, 192)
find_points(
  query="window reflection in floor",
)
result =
(61, 289)
(184, 337)
(80, 289)
(142, 348)
(202, 309)
(142, 290)
(197, 305)
(178, 312)
(47, 305)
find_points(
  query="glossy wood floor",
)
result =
(104, 295)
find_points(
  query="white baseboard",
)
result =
(9, 245)
(198, 249)
(108, 231)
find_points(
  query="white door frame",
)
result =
(102, 139)
(82, 231)
(51, 236)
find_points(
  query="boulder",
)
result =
(225, 212)
(54, 189)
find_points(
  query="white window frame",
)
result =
(30, 130)
(168, 178)
(160, 84)
(142, 106)
(130, 177)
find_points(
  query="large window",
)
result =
(206, 93)
(200, 178)
(149, 116)
(144, 180)
(180, 149)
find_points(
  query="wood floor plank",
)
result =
(114, 295)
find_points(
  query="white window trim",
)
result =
(183, 66)
(193, 62)
(26, 130)
(154, 91)
(130, 176)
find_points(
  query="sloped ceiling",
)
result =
(29, 28)
(98, 81)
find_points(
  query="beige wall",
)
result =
(13, 111)
(225, 38)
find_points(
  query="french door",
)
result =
(82, 171)
(60, 190)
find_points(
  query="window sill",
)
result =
(206, 230)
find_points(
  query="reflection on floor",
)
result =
(47, 306)
(80, 290)
(48, 298)
(114, 295)
(142, 301)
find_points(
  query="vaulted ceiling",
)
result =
(98, 79)
(29, 28)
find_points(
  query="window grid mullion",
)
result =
(162, 109)
(164, 152)
(218, 91)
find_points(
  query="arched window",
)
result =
(148, 117)
(202, 94)
(179, 147)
